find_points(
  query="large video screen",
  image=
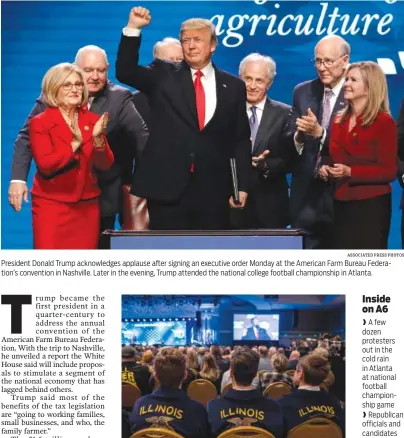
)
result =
(154, 332)
(252, 327)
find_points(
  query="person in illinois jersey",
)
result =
(242, 405)
(168, 406)
(308, 401)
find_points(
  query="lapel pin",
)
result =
(86, 128)
(224, 85)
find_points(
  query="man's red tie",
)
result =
(200, 99)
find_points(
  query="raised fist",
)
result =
(139, 17)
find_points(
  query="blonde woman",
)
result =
(67, 142)
(363, 149)
(192, 359)
(279, 363)
(210, 371)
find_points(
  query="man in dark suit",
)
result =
(200, 112)
(255, 332)
(126, 134)
(315, 103)
(268, 200)
(168, 49)
(400, 138)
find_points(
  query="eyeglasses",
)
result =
(326, 62)
(69, 86)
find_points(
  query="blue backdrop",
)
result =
(37, 35)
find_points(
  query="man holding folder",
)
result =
(199, 122)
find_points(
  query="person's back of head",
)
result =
(192, 358)
(147, 357)
(320, 351)
(128, 354)
(209, 368)
(215, 351)
(244, 366)
(312, 369)
(271, 352)
(169, 367)
(294, 355)
(279, 363)
(263, 351)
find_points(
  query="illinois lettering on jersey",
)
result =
(244, 408)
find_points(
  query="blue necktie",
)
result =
(253, 124)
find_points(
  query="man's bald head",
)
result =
(169, 49)
(334, 42)
(94, 63)
(294, 355)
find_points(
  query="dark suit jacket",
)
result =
(370, 152)
(64, 175)
(250, 335)
(141, 102)
(126, 134)
(177, 142)
(311, 199)
(269, 191)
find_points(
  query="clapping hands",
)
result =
(101, 126)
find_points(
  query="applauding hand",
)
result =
(309, 124)
(77, 137)
(101, 126)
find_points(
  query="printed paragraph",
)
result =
(55, 376)
(381, 416)
(204, 267)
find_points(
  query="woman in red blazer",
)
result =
(67, 143)
(363, 148)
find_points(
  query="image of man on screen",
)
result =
(255, 332)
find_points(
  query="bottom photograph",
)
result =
(228, 366)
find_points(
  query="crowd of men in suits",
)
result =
(163, 374)
(194, 117)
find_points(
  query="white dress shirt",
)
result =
(209, 85)
(335, 93)
(90, 102)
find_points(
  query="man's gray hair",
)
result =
(165, 41)
(254, 57)
(90, 48)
